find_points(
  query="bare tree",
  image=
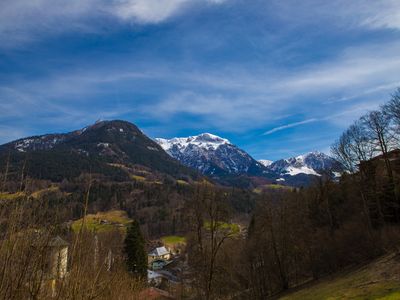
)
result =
(353, 148)
(392, 109)
(210, 231)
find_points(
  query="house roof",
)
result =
(160, 251)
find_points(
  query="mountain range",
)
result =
(104, 147)
(107, 145)
(218, 158)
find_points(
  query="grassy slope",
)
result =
(377, 280)
(173, 239)
(93, 222)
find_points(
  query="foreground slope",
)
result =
(377, 280)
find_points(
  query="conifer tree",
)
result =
(135, 250)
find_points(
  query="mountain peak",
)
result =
(99, 144)
(204, 140)
(209, 137)
(265, 162)
(211, 155)
(312, 163)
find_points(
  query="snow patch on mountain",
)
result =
(313, 163)
(301, 170)
(265, 162)
(205, 141)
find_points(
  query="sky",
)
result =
(277, 78)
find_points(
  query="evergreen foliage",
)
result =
(135, 250)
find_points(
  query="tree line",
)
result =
(299, 235)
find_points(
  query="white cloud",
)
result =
(381, 14)
(368, 14)
(231, 100)
(223, 97)
(147, 11)
(290, 125)
(23, 21)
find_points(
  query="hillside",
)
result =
(379, 279)
(98, 148)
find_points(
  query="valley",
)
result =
(199, 150)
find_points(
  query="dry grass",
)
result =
(377, 280)
(12, 196)
(173, 240)
(40, 193)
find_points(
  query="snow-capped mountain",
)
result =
(212, 155)
(217, 157)
(97, 148)
(313, 163)
(265, 162)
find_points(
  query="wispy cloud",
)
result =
(290, 125)
(152, 11)
(383, 14)
(23, 21)
(233, 100)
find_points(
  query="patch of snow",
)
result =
(337, 174)
(206, 141)
(301, 170)
(105, 145)
(152, 148)
(265, 162)
(121, 130)
(22, 145)
(280, 179)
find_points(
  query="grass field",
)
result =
(266, 187)
(41, 193)
(182, 182)
(138, 178)
(232, 227)
(173, 239)
(103, 221)
(11, 196)
(377, 280)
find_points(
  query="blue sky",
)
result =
(277, 78)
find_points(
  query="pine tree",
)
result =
(135, 250)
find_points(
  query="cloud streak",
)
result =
(290, 125)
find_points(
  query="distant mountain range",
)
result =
(105, 145)
(302, 169)
(218, 158)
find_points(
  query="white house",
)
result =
(160, 253)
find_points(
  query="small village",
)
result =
(165, 274)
